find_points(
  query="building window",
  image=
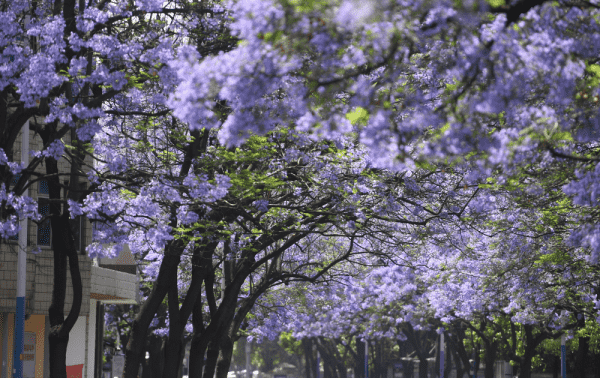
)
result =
(44, 232)
(78, 229)
(78, 223)
(12, 185)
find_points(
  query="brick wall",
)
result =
(39, 266)
(39, 281)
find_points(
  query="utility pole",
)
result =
(442, 355)
(248, 359)
(563, 356)
(366, 358)
(21, 269)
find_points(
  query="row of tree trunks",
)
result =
(134, 351)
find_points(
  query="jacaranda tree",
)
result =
(64, 64)
(439, 99)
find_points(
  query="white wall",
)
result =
(76, 346)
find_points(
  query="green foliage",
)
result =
(593, 74)
(358, 116)
(496, 3)
(290, 344)
(308, 6)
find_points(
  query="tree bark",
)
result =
(581, 359)
(212, 355)
(308, 358)
(457, 346)
(179, 317)
(531, 343)
(199, 343)
(491, 349)
(139, 328)
(63, 246)
(359, 361)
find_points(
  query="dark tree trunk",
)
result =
(339, 362)
(597, 365)
(420, 348)
(179, 316)
(531, 344)
(230, 320)
(63, 245)
(525, 368)
(225, 353)
(198, 348)
(197, 351)
(139, 328)
(476, 360)
(457, 347)
(212, 355)
(378, 366)
(173, 349)
(174, 340)
(423, 365)
(329, 370)
(460, 368)
(491, 349)
(308, 358)
(359, 361)
(581, 360)
(490, 359)
(152, 365)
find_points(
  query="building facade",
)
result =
(105, 281)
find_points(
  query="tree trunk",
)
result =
(178, 317)
(525, 366)
(173, 343)
(457, 347)
(63, 246)
(308, 358)
(198, 348)
(197, 351)
(58, 337)
(359, 361)
(423, 366)
(491, 350)
(419, 346)
(152, 365)
(225, 353)
(327, 358)
(139, 327)
(581, 359)
(476, 360)
(174, 347)
(212, 355)
(339, 362)
(57, 352)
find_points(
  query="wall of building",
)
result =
(39, 281)
(39, 266)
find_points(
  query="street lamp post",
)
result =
(21, 270)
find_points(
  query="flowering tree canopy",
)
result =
(454, 145)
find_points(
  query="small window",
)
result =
(12, 184)
(44, 231)
(78, 224)
(15, 180)
(78, 229)
(44, 188)
(44, 234)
